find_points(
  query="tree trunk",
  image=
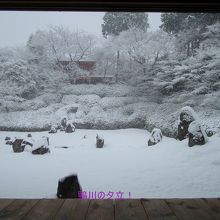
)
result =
(188, 49)
(117, 66)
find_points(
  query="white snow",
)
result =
(167, 170)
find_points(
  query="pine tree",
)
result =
(116, 22)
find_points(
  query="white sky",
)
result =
(16, 27)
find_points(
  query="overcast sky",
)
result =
(16, 27)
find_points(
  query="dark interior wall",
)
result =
(110, 5)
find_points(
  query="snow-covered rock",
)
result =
(197, 135)
(99, 141)
(18, 146)
(186, 116)
(70, 128)
(41, 145)
(155, 137)
(53, 129)
(64, 122)
(41, 150)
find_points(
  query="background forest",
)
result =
(155, 74)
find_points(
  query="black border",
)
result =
(110, 5)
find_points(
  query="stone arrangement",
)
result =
(64, 125)
(40, 146)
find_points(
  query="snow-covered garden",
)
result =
(166, 170)
(153, 131)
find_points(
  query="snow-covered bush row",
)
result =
(101, 90)
(135, 115)
(113, 102)
(27, 105)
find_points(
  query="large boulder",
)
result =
(18, 145)
(99, 141)
(197, 135)
(155, 137)
(69, 187)
(187, 115)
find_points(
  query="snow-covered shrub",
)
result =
(33, 104)
(88, 100)
(68, 109)
(13, 98)
(102, 90)
(178, 83)
(128, 110)
(29, 90)
(211, 101)
(69, 99)
(95, 111)
(136, 120)
(50, 98)
(201, 90)
(9, 106)
(113, 102)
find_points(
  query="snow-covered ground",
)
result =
(166, 170)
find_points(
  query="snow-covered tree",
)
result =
(59, 43)
(188, 29)
(145, 48)
(116, 22)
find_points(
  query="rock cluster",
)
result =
(64, 125)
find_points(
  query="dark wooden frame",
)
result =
(110, 5)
